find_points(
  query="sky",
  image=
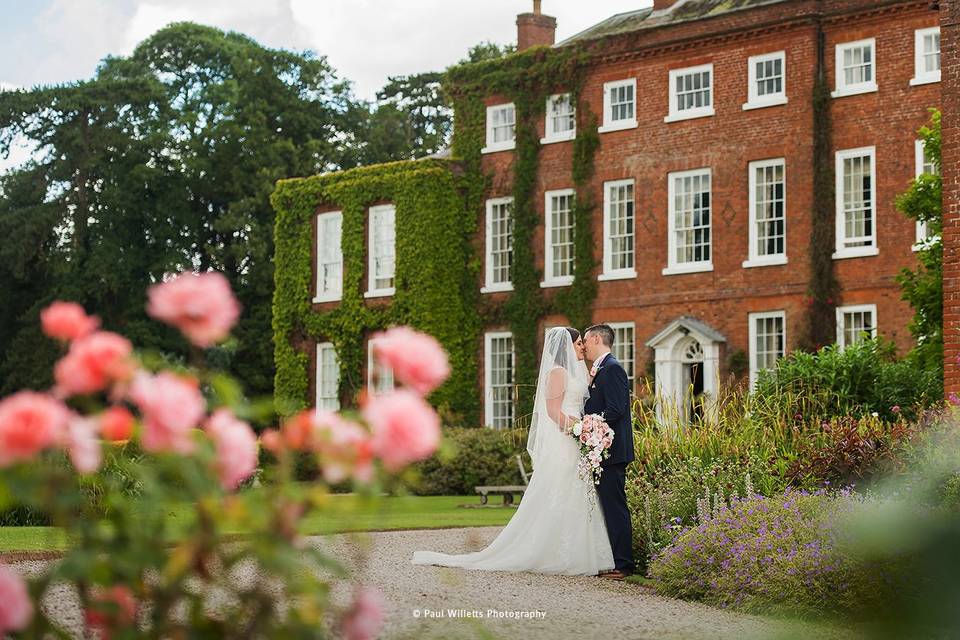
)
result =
(54, 41)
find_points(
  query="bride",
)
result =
(559, 526)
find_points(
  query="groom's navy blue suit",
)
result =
(610, 396)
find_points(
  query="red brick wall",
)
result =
(950, 62)
(726, 143)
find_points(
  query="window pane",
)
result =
(620, 230)
(691, 218)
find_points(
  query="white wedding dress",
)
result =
(558, 527)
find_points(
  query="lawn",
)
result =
(344, 513)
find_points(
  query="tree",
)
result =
(923, 287)
(163, 161)
(412, 118)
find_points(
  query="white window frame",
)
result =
(324, 403)
(550, 135)
(921, 226)
(676, 114)
(921, 75)
(855, 252)
(754, 258)
(608, 122)
(549, 279)
(855, 308)
(608, 272)
(372, 290)
(673, 267)
(631, 375)
(335, 292)
(842, 88)
(372, 366)
(505, 145)
(489, 285)
(487, 378)
(754, 99)
(752, 331)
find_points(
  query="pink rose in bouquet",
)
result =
(594, 437)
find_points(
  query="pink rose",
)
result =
(236, 445)
(93, 363)
(112, 609)
(344, 447)
(201, 306)
(29, 423)
(116, 424)
(416, 359)
(67, 321)
(405, 428)
(82, 444)
(171, 407)
(16, 609)
(364, 619)
(584, 436)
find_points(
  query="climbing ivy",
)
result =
(528, 79)
(823, 288)
(431, 272)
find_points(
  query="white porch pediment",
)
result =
(682, 327)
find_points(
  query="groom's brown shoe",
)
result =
(613, 574)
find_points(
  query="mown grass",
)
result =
(342, 513)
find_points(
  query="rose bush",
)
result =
(119, 443)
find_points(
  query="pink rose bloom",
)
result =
(67, 321)
(93, 363)
(345, 448)
(416, 359)
(405, 428)
(16, 610)
(171, 406)
(82, 444)
(29, 423)
(364, 619)
(201, 306)
(236, 445)
(584, 436)
(116, 424)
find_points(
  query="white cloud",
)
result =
(365, 40)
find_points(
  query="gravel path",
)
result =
(419, 598)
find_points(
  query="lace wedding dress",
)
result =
(558, 527)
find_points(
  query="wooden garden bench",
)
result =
(506, 491)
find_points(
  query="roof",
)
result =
(690, 324)
(680, 11)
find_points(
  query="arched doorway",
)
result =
(687, 357)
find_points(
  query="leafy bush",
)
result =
(471, 457)
(849, 451)
(858, 380)
(781, 555)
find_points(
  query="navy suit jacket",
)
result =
(610, 396)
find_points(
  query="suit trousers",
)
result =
(613, 499)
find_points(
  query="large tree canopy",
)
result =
(163, 161)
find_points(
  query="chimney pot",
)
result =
(535, 29)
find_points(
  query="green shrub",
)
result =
(859, 380)
(470, 457)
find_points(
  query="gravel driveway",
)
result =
(505, 605)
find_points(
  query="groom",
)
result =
(610, 396)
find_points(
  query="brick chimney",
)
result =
(660, 5)
(535, 28)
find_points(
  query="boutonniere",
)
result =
(594, 370)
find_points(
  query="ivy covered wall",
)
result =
(434, 277)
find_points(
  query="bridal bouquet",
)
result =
(595, 437)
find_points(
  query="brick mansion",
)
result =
(721, 172)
